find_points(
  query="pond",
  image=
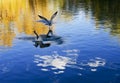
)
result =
(86, 48)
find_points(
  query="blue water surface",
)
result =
(89, 53)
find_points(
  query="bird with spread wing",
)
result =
(46, 21)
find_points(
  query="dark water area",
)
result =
(85, 47)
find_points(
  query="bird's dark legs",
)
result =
(36, 34)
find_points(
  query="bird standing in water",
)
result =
(46, 21)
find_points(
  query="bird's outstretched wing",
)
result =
(43, 20)
(53, 16)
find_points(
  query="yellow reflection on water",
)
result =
(18, 16)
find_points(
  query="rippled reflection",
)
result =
(58, 63)
(94, 63)
(106, 14)
(16, 19)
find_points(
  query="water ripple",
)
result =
(58, 63)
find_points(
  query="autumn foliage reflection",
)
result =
(18, 16)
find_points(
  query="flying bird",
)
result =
(46, 21)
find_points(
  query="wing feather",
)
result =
(53, 16)
(44, 20)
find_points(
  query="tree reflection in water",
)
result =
(16, 19)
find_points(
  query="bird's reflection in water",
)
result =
(46, 40)
(41, 44)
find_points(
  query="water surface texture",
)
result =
(86, 48)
